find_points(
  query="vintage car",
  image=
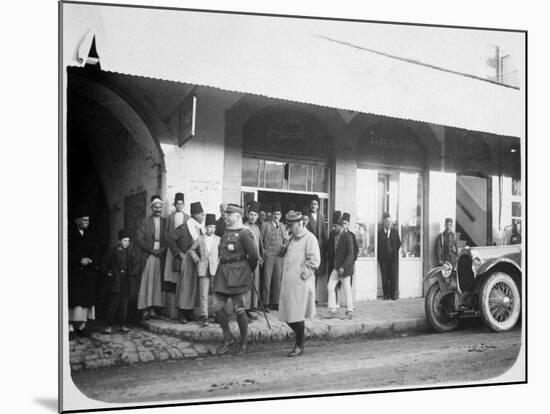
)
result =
(486, 282)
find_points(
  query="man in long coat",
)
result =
(317, 226)
(151, 239)
(180, 245)
(389, 244)
(82, 257)
(173, 221)
(340, 260)
(445, 245)
(297, 300)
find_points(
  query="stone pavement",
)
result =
(167, 339)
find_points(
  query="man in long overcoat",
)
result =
(297, 300)
(173, 221)
(82, 278)
(151, 240)
(180, 244)
(389, 244)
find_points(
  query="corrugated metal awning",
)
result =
(287, 59)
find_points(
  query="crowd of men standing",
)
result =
(254, 256)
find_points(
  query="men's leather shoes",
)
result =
(225, 347)
(241, 350)
(182, 320)
(297, 351)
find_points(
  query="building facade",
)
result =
(128, 137)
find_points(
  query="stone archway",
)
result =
(124, 154)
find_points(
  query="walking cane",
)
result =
(261, 303)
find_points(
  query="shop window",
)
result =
(365, 223)
(274, 174)
(410, 207)
(516, 209)
(251, 170)
(516, 187)
(298, 177)
(318, 179)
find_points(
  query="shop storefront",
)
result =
(363, 143)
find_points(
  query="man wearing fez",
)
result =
(251, 303)
(274, 238)
(220, 224)
(204, 253)
(340, 264)
(297, 300)
(388, 258)
(317, 226)
(238, 256)
(445, 244)
(151, 239)
(82, 256)
(173, 221)
(180, 244)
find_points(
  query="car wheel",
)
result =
(436, 307)
(500, 302)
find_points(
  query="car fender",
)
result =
(490, 263)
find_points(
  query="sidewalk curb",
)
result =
(280, 332)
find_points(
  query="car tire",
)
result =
(433, 313)
(500, 302)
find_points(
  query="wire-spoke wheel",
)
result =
(500, 302)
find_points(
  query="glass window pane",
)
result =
(319, 179)
(250, 172)
(298, 177)
(516, 209)
(274, 173)
(410, 208)
(365, 223)
(516, 187)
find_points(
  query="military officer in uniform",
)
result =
(238, 256)
(446, 248)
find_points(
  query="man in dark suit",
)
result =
(220, 223)
(316, 225)
(388, 258)
(340, 262)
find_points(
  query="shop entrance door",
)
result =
(400, 194)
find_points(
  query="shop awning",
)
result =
(290, 59)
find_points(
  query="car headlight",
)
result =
(446, 269)
(476, 262)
